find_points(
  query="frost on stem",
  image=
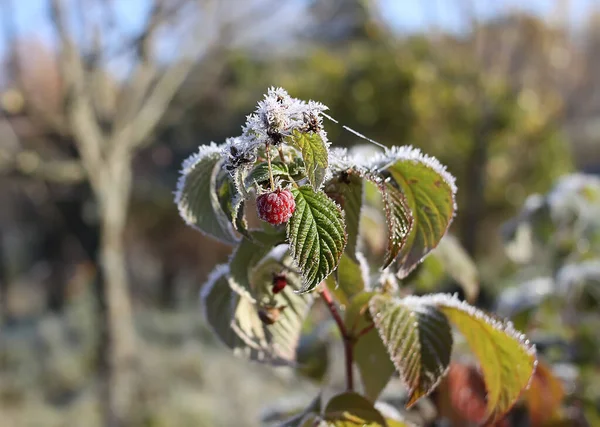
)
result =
(274, 119)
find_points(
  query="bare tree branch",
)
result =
(79, 109)
(136, 131)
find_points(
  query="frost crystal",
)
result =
(275, 118)
(237, 153)
(447, 300)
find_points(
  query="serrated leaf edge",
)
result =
(413, 300)
(391, 155)
(452, 301)
(305, 286)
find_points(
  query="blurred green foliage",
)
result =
(397, 90)
(434, 96)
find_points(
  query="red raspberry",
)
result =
(276, 207)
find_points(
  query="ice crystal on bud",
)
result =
(238, 153)
(275, 118)
(278, 115)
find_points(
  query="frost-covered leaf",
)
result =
(274, 343)
(237, 322)
(346, 188)
(317, 235)
(507, 359)
(370, 355)
(350, 278)
(418, 339)
(197, 197)
(430, 194)
(218, 304)
(352, 409)
(246, 256)
(398, 217)
(231, 202)
(314, 153)
(283, 335)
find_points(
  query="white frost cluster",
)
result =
(275, 118)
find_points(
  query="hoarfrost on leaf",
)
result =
(407, 152)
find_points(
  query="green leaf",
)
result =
(197, 197)
(231, 202)
(346, 188)
(236, 321)
(350, 278)
(299, 419)
(507, 359)
(370, 354)
(218, 304)
(314, 153)
(392, 422)
(398, 217)
(246, 256)
(317, 235)
(352, 409)
(418, 339)
(283, 336)
(260, 173)
(392, 415)
(430, 194)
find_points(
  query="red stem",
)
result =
(348, 339)
(364, 331)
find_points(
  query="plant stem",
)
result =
(348, 339)
(268, 152)
(281, 156)
(364, 331)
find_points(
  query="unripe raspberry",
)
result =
(279, 282)
(276, 207)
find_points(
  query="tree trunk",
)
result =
(475, 185)
(121, 357)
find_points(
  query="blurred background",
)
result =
(101, 100)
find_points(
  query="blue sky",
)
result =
(412, 15)
(403, 15)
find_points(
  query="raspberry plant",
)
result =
(308, 248)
